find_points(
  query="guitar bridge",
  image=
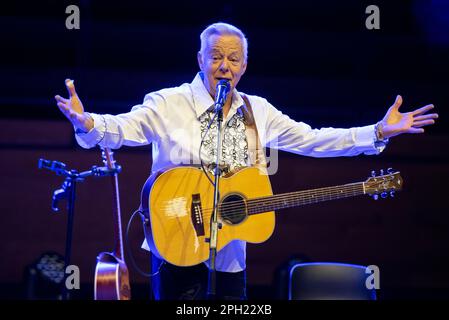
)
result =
(196, 214)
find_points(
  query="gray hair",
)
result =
(221, 28)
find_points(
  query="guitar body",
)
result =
(111, 278)
(178, 204)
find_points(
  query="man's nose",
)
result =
(224, 67)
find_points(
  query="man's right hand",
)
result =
(73, 108)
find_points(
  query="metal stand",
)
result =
(214, 225)
(68, 191)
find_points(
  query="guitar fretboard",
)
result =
(299, 198)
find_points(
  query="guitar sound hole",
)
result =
(233, 209)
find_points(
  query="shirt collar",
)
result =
(202, 99)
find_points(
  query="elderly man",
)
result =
(176, 120)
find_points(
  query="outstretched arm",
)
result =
(140, 126)
(286, 134)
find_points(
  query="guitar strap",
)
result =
(255, 150)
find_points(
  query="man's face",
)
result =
(222, 59)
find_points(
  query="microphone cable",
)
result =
(130, 254)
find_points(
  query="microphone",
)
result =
(221, 91)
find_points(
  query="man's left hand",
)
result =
(395, 123)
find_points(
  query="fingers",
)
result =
(415, 130)
(66, 105)
(70, 87)
(418, 124)
(66, 110)
(63, 107)
(426, 117)
(69, 113)
(61, 99)
(422, 110)
(397, 102)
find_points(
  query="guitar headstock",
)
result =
(383, 184)
(108, 157)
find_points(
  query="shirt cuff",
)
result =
(365, 138)
(95, 135)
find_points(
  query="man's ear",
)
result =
(244, 67)
(200, 60)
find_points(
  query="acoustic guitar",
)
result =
(111, 273)
(177, 204)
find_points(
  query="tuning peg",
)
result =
(392, 193)
(390, 170)
(384, 194)
(373, 173)
(381, 172)
(375, 196)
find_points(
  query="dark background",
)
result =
(313, 60)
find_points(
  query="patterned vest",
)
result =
(234, 146)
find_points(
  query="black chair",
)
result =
(329, 281)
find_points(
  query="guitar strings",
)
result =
(228, 210)
(291, 195)
(321, 192)
(225, 208)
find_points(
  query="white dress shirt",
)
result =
(170, 120)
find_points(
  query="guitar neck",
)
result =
(118, 250)
(300, 198)
(110, 163)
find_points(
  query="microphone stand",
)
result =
(68, 191)
(214, 225)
